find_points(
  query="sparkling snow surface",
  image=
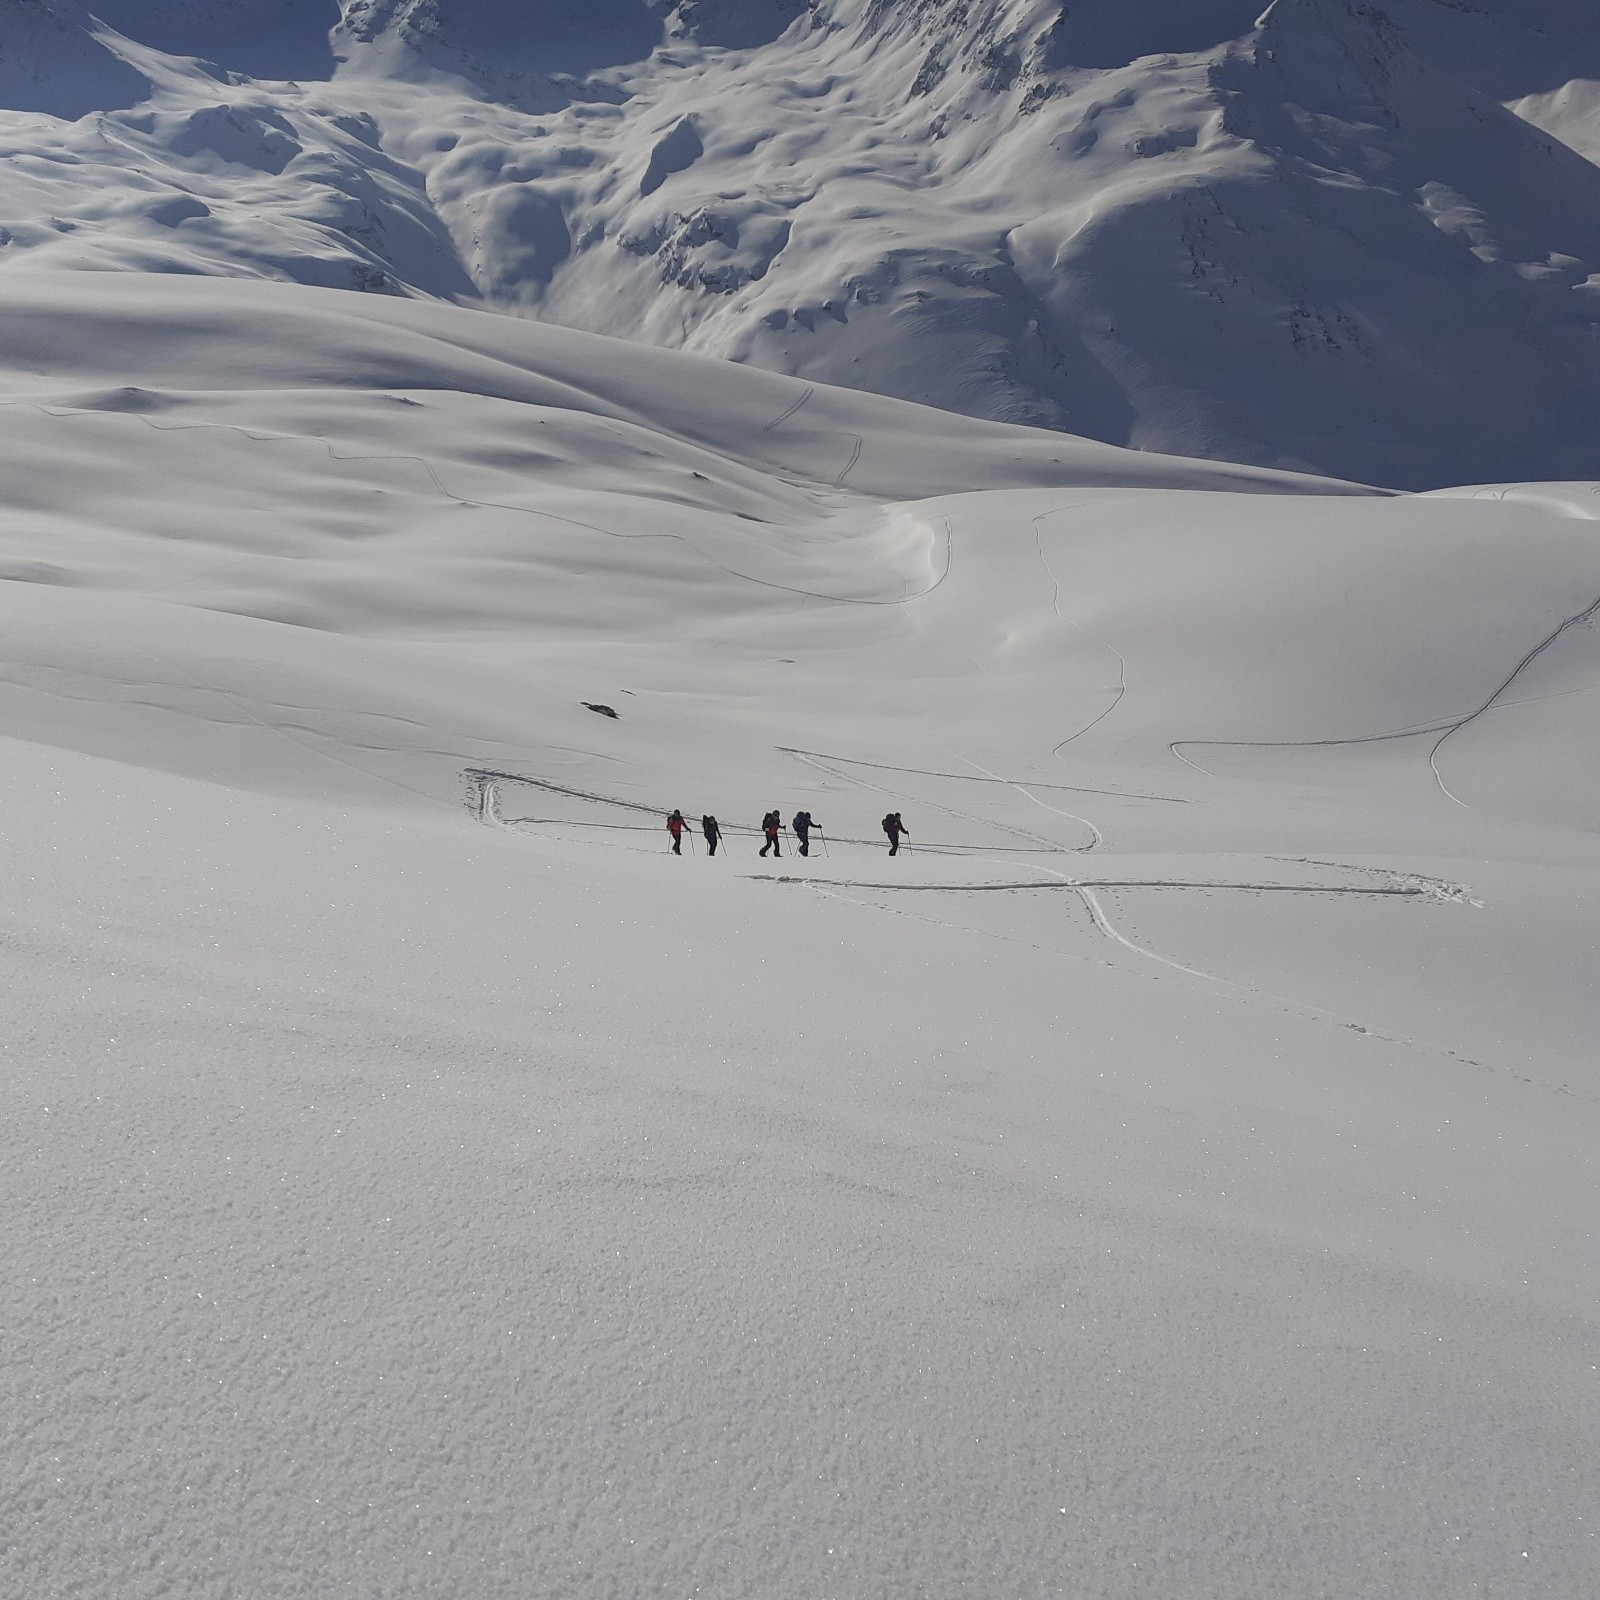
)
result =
(1175, 1176)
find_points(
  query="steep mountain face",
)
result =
(259, 38)
(1355, 239)
(52, 65)
(1540, 57)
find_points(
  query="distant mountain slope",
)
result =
(1540, 57)
(1317, 239)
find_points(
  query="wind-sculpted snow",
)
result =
(1172, 1172)
(1321, 242)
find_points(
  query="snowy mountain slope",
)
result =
(345, 456)
(1180, 1162)
(53, 63)
(1541, 59)
(1321, 242)
(450, 535)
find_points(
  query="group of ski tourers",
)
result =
(772, 825)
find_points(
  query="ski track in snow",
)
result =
(482, 789)
(1055, 601)
(1435, 888)
(488, 804)
(778, 422)
(1074, 885)
(1094, 843)
(1248, 993)
(1177, 746)
(1446, 728)
(476, 779)
(1241, 993)
(857, 442)
(1522, 666)
(966, 777)
(484, 800)
(1038, 841)
(281, 731)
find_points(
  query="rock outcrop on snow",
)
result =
(1363, 240)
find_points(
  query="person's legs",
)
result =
(894, 845)
(677, 844)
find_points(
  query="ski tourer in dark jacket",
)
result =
(708, 826)
(802, 826)
(894, 827)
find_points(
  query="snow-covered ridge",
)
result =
(1314, 239)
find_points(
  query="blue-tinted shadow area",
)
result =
(576, 36)
(273, 39)
(741, 24)
(1508, 48)
(58, 70)
(1112, 33)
